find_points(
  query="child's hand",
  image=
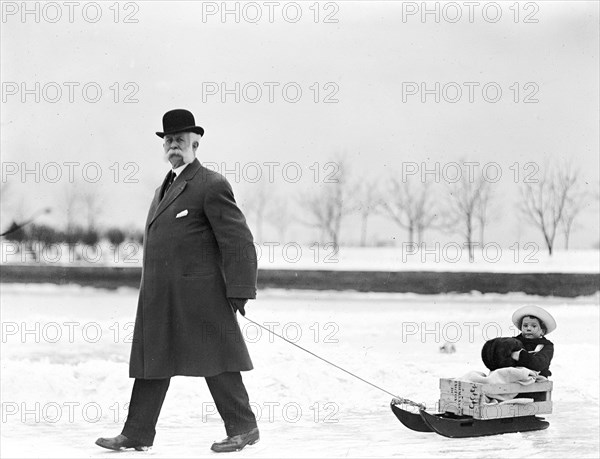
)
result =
(515, 355)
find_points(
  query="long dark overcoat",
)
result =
(198, 252)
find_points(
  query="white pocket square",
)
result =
(183, 213)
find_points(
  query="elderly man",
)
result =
(199, 269)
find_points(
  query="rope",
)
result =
(396, 400)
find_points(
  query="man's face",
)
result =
(179, 149)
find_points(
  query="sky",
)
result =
(283, 89)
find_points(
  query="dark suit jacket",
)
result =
(198, 252)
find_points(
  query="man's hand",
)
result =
(238, 304)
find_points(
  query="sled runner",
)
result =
(465, 411)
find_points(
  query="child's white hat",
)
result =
(533, 310)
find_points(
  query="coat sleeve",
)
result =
(234, 238)
(537, 361)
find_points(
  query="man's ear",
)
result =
(195, 144)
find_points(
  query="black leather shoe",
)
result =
(237, 442)
(120, 442)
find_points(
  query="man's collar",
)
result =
(180, 169)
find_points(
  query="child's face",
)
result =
(531, 328)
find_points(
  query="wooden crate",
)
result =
(468, 398)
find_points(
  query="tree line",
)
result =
(46, 236)
(550, 203)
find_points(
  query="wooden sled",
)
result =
(463, 411)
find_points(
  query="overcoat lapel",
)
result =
(174, 190)
(153, 207)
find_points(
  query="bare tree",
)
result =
(256, 201)
(279, 215)
(91, 204)
(326, 207)
(410, 206)
(550, 202)
(573, 206)
(481, 214)
(467, 204)
(426, 212)
(72, 201)
(368, 201)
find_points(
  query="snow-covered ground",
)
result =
(65, 378)
(525, 257)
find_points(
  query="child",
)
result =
(534, 322)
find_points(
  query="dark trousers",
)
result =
(148, 395)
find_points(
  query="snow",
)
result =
(65, 357)
(438, 258)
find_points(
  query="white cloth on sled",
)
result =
(521, 375)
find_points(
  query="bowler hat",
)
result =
(179, 120)
(535, 311)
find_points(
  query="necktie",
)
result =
(170, 180)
